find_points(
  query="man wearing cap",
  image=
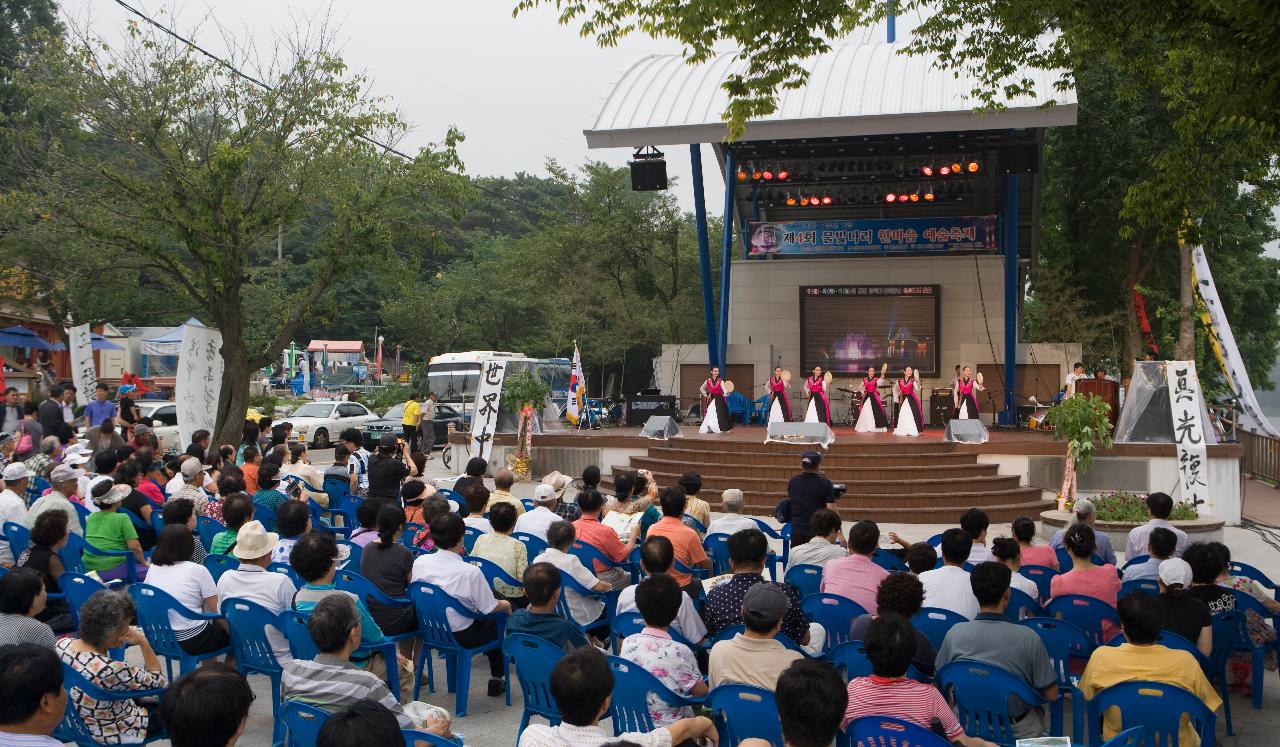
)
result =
(537, 521)
(252, 583)
(193, 477)
(807, 492)
(732, 520)
(65, 480)
(12, 505)
(755, 657)
(503, 480)
(103, 465)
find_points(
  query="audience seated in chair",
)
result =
(237, 510)
(1181, 613)
(826, 545)
(191, 585)
(948, 587)
(975, 523)
(543, 515)
(1161, 545)
(684, 541)
(22, 599)
(899, 594)
(747, 553)
(584, 609)
(1159, 508)
(1086, 579)
(1024, 531)
(477, 498)
(755, 657)
(855, 576)
(388, 565)
(505, 551)
(360, 725)
(811, 701)
(1141, 658)
(48, 536)
(542, 587)
(731, 520)
(1085, 513)
(32, 698)
(206, 707)
(691, 483)
(990, 638)
(656, 557)
(1006, 550)
(582, 686)
(921, 557)
(252, 582)
(658, 599)
(589, 530)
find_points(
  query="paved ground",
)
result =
(490, 722)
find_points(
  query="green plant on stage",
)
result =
(1082, 422)
(523, 388)
(1132, 508)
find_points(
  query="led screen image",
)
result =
(848, 328)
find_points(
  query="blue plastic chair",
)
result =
(36, 488)
(412, 737)
(784, 536)
(743, 712)
(72, 556)
(1135, 737)
(1148, 585)
(1021, 606)
(341, 502)
(981, 693)
(934, 622)
(1226, 626)
(533, 546)
(805, 578)
(301, 644)
(888, 561)
(370, 594)
(302, 722)
(739, 406)
(935, 541)
(1085, 613)
(699, 573)
(138, 523)
(876, 731)
(717, 547)
(1246, 603)
(759, 410)
(834, 613)
(452, 495)
(469, 537)
(850, 659)
(534, 658)
(632, 685)
(1040, 575)
(692, 522)
(493, 572)
(608, 598)
(77, 587)
(1066, 562)
(82, 513)
(590, 555)
(1135, 560)
(1064, 643)
(1168, 639)
(153, 608)
(219, 564)
(1157, 707)
(287, 570)
(266, 516)
(528, 504)
(431, 603)
(18, 537)
(355, 553)
(208, 528)
(248, 623)
(72, 727)
(629, 623)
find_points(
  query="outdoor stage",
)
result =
(911, 480)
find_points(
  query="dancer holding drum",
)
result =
(817, 387)
(715, 418)
(779, 400)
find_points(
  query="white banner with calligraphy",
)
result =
(1186, 401)
(199, 381)
(484, 423)
(84, 374)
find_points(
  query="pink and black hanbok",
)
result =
(716, 419)
(819, 406)
(966, 400)
(871, 415)
(910, 415)
(779, 401)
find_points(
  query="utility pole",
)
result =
(279, 244)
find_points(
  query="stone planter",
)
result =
(1203, 529)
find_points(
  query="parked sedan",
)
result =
(319, 423)
(391, 420)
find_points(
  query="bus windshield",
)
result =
(454, 382)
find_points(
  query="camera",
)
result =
(839, 488)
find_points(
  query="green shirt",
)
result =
(107, 530)
(222, 541)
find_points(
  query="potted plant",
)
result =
(1081, 421)
(522, 393)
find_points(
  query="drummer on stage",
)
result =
(819, 403)
(779, 401)
(871, 417)
(910, 416)
(966, 401)
(715, 419)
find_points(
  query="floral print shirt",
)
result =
(110, 722)
(672, 663)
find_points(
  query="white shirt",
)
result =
(731, 524)
(460, 580)
(948, 588)
(537, 521)
(688, 622)
(358, 462)
(1140, 537)
(479, 522)
(979, 554)
(12, 508)
(584, 609)
(190, 584)
(54, 501)
(1022, 584)
(816, 551)
(274, 591)
(568, 735)
(175, 484)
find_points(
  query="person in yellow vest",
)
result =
(412, 417)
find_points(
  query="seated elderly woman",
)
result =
(1086, 579)
(22, 599)
(105, 623)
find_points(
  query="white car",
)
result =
(320, 423)
(164, 418)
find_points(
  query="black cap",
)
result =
(388, 441)
(811, 459)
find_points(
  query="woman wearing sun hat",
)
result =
(108, 529)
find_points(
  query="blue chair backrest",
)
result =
(1066, 562)
(533, 546)
(629, 623)
(452, 495)
(82, 513)
(981, 694)
(725, 634)
(208, 528)
(1168, 639)
(431, 601)
(1135, 560)
(287, 570)
(1155, 706)
(692, 522)
(1063, 642)
(1226, 627)
(152, 606)
(248, 623)
(136, 520)
(366, 590)
(356, 552)
(1135, 737)
(834, 613)
(1148, 585)
(337, 489)
(935, 622)
(303, 722)
(1040, 575)
(265, 515)
(1021, 605)
(157, 521)
(534, 659)
(492, 571)
(875, 731)
(78, 587)
(528, 504)
(850, 658)
(414, 737)
(632, 685)
(717, 547)
(1248, 571)
(744, 711)
(301, 644)
(72, 728)
(888, 561)
(18, 536)
(569, 583)
(36, 489)
(219, 564)
(1084, 612)
(806, 578)
(469, 537)
(72, 553)
(935, 541)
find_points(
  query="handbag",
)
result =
(26, 444)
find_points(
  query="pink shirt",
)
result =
(1040, 555)
(853, 577)
(589, 530)
(1100, 582)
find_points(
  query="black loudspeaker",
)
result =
(660, 427)
(1020, 159)
(940, 407)
(967, 431)
(649, 175)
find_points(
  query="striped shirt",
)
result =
(901, 698)
(332, 683)
(9, 739)
(18, 629)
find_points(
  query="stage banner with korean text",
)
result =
(910, 235)
(1186, 401)
(484, 423)
(83, 371)
(199, 381)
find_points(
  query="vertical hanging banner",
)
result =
(83, 372)
(1187, 402)
(199, 381)
(1224, 343)
(484, 423)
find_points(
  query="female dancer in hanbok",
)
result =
(871, 417)
(910, 416)
(780, 401)
(716, 418)
(819, 404)
(966, 401)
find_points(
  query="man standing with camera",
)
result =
(806, 492)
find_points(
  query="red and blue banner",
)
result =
(896, 235)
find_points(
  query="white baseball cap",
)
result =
(544, 493)
(1175, 571)
(16, 471)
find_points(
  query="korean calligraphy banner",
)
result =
(84, 374)
(813, 238)
(1187, 402)
(199, 380)
(484, 423)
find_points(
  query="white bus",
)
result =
(455, 376)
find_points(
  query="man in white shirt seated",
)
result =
(584, 610)
(975, 523)
(1077, 373)
(251, 582)
(732, 520)
(657, 556)
(1159, 508)
(827, 543)
(537, 521)
(465, 583)
(948, 587)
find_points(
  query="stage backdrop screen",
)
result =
(849, 328)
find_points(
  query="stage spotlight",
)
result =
(767, 173)
(955, 168)
(826, 199)
(804, 202)
(742, 175)
(944, 170)
(926, 170)
(928, 195)
(973, 167)
(902, 198)
(783, 174)
(755, 173)
(915, 196)
(890, 197)
(791, 200)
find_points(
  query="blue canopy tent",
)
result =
(22, 337)
(160, 354)
(98, 343)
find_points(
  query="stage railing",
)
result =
(1261, 456)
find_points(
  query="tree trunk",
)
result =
(1133, 334)
(1186, 324)
(234, 401)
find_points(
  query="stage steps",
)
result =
(900, 481)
